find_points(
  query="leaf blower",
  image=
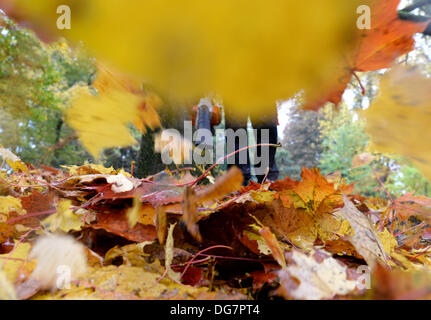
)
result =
(206, 115)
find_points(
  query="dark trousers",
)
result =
(259, 122)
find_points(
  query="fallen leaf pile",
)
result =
(91, 232)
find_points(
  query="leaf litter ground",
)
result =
(167, 237)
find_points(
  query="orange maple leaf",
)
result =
(377, 48)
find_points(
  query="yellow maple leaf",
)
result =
(12, 160)
(252, 53)
(11, 263)
(64, 219)
(133, 213)
(8, 204)
(101, 120)
(7, 290)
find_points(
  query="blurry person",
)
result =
(265, 131)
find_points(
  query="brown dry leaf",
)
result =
(295, 226)
(255, 243)
(365, 238)
(409, 205)
(133, 255)
(313, 276)
(161, 224)
(169, 254)
(36, 202)
(273, 244)
(190, 214)
(116, 223)
(7, 231)
(126, 283)
(224, 185)
(362, 159)
(231, 181)
(271, 241)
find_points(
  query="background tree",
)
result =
(35, 83)
(302, 142)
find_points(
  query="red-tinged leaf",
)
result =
(410, 205)
(159, 197)
(250, 244)
(377, 48)
(37, 202)
(117, 223)
(260, 278)
(251, 186)
(192, 276)
(161, 224)
(37, 205)
(389, 37)
(286, 184)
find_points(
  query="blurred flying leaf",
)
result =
(101, 120)
(250, 52)
(53, 251)
(388, 38)
(362, 159)
(133, 212)
(398, 119)
(229, 182)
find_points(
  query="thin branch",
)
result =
(416, 5)
(363, 91)
(60, 144)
